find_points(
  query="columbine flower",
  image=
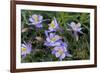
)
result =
(36, 20)
(61, 51)
(25, 49)
(53, 26)
(52, 40)
(75, 28)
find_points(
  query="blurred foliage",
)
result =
(80, 50)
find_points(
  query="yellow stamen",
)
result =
(53, 39)
(60, 51)
(24, 49)
(36, 18)
(52, 25)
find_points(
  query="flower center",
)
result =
(24, 49)
(60, 51)
(53, 39)
(52, 25)
(36, 18)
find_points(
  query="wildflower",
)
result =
(25, 49)
(53, 26)
(75, 28)
(36, 20)
(61, 51)
(52, 40)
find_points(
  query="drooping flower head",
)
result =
(25, 49)
(52, 40)
(75, 28)
(53, 26)
(36, 20)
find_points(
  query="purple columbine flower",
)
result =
(75, 28)
(36, 20)
(53, 26)
(25, 49)
(61, 51)
(52, 40)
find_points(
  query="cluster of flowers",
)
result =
(55, 41)
(59, 47)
